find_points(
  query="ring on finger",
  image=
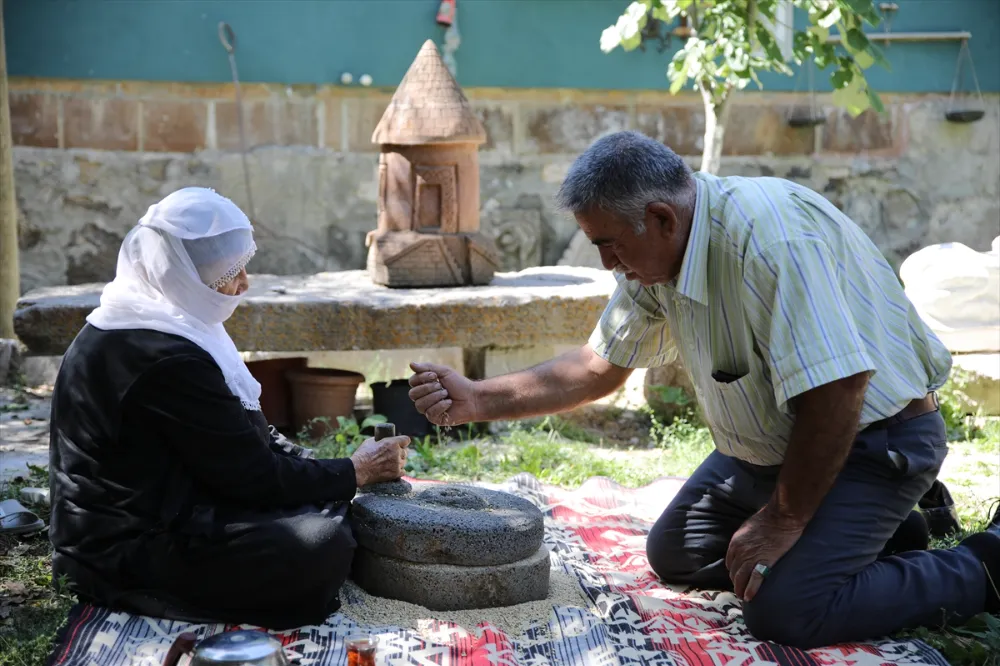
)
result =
(762, 569)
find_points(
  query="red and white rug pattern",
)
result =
(597, 533)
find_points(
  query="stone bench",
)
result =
(345, 312)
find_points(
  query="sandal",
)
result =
(15, 519)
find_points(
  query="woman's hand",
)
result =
(377, 462)
(442, 395)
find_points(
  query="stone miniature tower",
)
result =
(428, 185)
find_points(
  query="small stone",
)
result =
(35, 496)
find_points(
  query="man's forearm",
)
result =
(826, 425)
(565, 382)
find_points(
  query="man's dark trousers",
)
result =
(832, 586)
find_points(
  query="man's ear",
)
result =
(662, 217)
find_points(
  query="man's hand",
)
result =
(763, 539)
(377, 462)
(826, 423)
(442, 395)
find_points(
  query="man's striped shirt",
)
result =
(778, 293)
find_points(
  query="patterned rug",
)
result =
(596, 533)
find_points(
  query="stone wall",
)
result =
(91, 156)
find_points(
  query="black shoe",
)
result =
(912, 534)
(938, 508)
(994, 525)
(986, 546)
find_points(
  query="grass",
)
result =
(32, 607)
(560, 451)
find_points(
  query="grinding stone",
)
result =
(396, 488)
(446, 524)
(446, 587)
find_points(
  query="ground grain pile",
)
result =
(368, 610)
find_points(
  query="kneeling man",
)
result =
(815, 373)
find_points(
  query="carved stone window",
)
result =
(436, 205)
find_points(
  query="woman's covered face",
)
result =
(237, 286)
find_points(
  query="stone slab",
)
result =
(344, 311)
(449, 524)
(450, 587)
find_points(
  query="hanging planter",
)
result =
(811, 116)
(965, 112)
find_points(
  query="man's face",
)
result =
(653, 257)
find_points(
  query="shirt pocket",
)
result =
(744, 409)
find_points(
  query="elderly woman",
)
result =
(171, 496)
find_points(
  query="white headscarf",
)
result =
(168, 267)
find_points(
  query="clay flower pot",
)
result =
(318, 392)
(275, 392)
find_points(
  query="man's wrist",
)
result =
(787, 517)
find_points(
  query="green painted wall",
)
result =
(505, 43)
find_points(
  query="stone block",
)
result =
(11, 361)
(449, 524)
(174, 126)
(34, 119)
(361, 116)
(569, 129)
(756, 129)
(498, 120)
(106, 124)
(581, 252)
(269, 122)
(680, 127)
(333, 123)
(517, 232)
(868, 132)
(453, 587)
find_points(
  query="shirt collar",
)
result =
(692, 281)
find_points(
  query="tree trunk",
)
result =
(10, 277)
(716, 117)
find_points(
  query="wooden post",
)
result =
(10, 274)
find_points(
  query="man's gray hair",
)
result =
(622, 173)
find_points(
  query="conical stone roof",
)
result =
(428, 107)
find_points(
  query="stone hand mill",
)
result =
(448, 547)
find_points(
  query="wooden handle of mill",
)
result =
(383, 430)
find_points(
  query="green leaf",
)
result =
(864, 8)
(374, 419)
(856, 40)
(853, 97)
(822, 34)
(841, 78)
(830, 19)
(677, 84)
(879, 57)
(874, 100)
(863, 60)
